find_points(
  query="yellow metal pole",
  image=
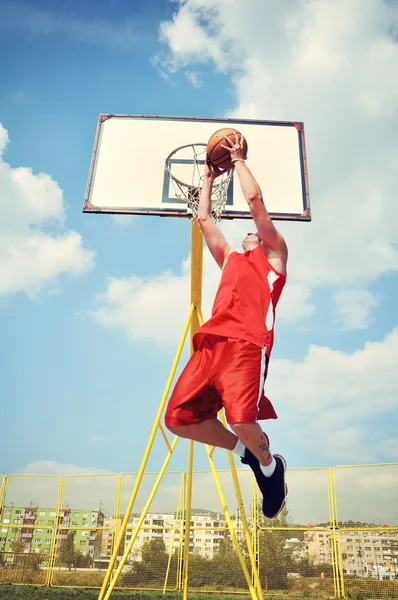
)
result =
(230, 525)
(181, 549)
(256, 541)
(2, 489)
(179, 506)
(196, 301)
(336, 570)
(187, 521)
(140, 520)
(148, 449)
(246, 530)
(53, 545)
(338, 554)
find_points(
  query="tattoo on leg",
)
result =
(264, 447)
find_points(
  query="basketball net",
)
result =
(190, 192)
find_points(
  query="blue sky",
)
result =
(80, 392)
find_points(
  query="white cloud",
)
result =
(152, 309)
(124, 220)
(4, 139)
(39, 484)
(194, 78)
(31, 258)
(318, 62)
(295, 303)
(328, 64)
(354, 308)
(156, 308)
(51, 467)
(330, 397)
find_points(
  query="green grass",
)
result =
(9, 592)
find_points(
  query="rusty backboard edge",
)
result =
(105, 116)
(170, 212)
(87, 206)
(304, 171)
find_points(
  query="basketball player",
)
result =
(231, 350)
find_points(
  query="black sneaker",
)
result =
(273, 488)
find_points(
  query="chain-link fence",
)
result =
(336, 537)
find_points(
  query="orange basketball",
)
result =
(218, 156)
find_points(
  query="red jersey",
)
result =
(244, 306)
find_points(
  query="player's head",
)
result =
(251, 241)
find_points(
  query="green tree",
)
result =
(2, 560)
(277, 558)
(67, 550)
(82, 560)
(151, 569)
(33, 561)
(201, 572)
(226, 565)
(18, 548)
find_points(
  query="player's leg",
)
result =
(240, 384)
(252, 437)
(210, 431)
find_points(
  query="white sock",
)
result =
(268, 469)
(239, 449)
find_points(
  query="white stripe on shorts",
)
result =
(262, 374)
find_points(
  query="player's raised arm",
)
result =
(266, 229)
(213, 235)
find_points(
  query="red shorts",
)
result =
(222, 372)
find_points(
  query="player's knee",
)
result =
(243, 430)
(180, 430)
(170, 424)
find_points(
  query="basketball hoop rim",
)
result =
(182, 183)
(167, 165)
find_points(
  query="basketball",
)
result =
(219, 156)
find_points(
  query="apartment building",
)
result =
(38, 527)
(111, 525)
(206, 531)
(364, 553)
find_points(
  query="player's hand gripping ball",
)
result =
(224, 145)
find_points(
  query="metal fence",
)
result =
(337, 536)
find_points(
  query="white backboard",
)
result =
(128, 175)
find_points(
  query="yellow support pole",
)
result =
(180, 506)
(230, 526)
(137, 528)
(196, 301)
(2, 489)
(148, 449)
(335, 559)
(210, 452)
(246, 530)
(53, 544)
(181, 549)
(340, 590)
(256, 545)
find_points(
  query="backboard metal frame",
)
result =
(180, 209)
